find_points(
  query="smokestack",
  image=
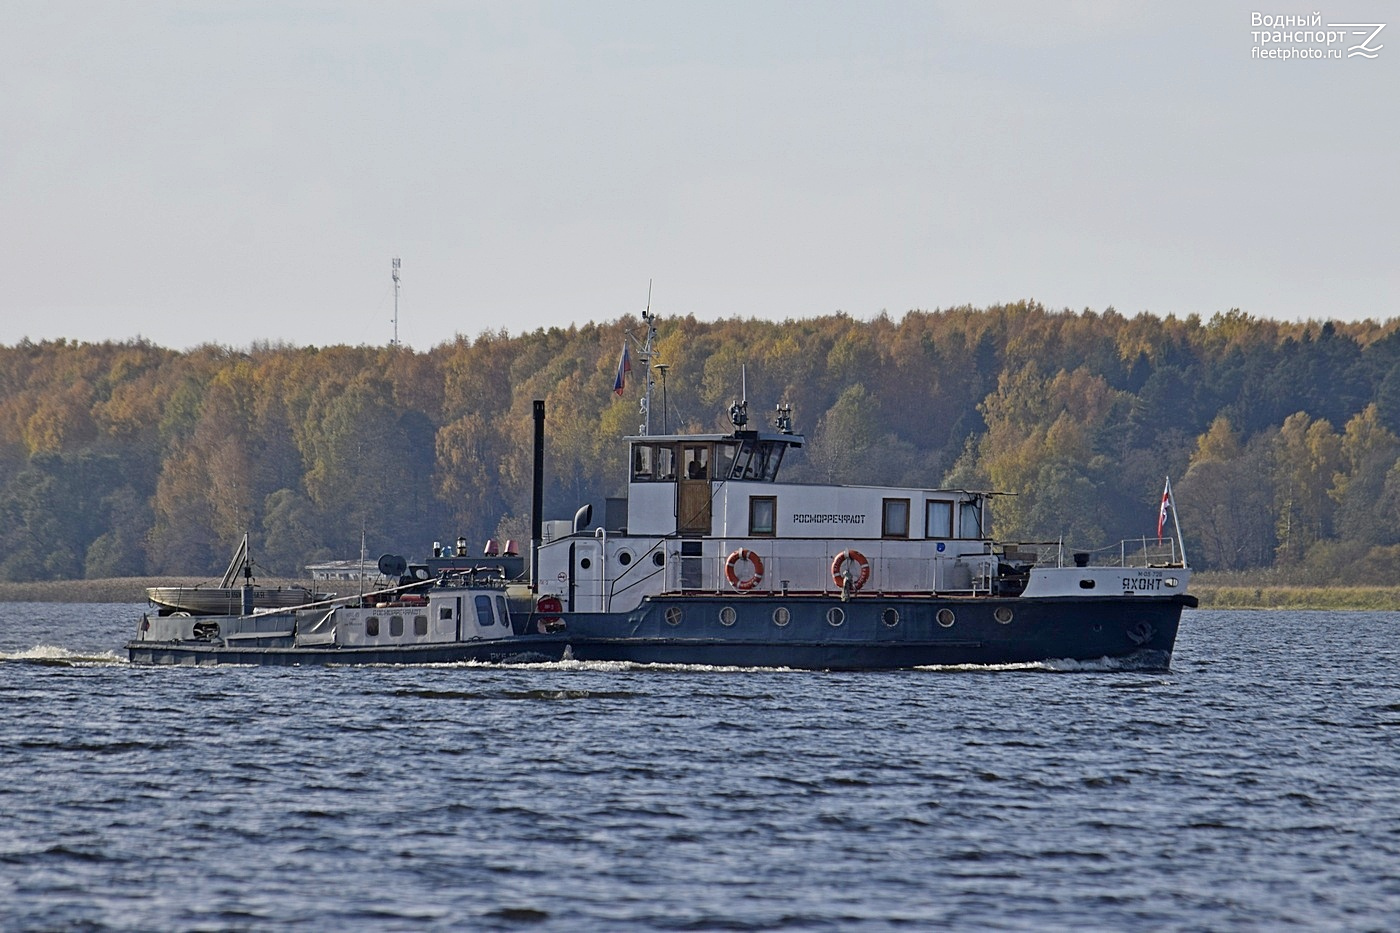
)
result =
(537, 498)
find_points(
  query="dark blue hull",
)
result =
(521, 649)
(882, 633)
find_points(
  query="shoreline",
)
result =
(1211, 595)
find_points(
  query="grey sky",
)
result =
(228, 172)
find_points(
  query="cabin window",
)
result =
(643, 462)
(697, 462)
(444, 612)
(896, 520)
(372, 626)
(395, 626)
(483, 610)
(970, 519)
(763, 514)
(940, 519)
(653, 463)
(502, 612)
(420, 626)
(757, 460)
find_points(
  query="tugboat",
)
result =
(713, 559)
(431, 615)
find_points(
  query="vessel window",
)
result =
(945, 618)
(502, 611)
(420, 626)
(444, 612)
(1004, 614)
(890, 617)
(763, 511)
(674, 614)
(624, 557)
(395, 626)
(896, 522)
(584, 563)
(727, 616)
(372, 626)
(653, 463)
(697, 462)
(665, 464)
(643, 457)
(835, 616)
(483, 610)
(940, 519)
(724, 460)
(970, 518)
(659, 559)
(781, 616)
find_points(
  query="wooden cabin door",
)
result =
(693, 509)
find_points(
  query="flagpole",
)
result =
(1176, 522)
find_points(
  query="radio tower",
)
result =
(396, 303)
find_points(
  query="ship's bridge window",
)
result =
(939, 519)
(757, 460)
(483, 610)
(653, 463)
(697, 462)
(970, 518)
(896, 518)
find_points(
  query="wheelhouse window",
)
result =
(697, 462)
(763, 516)
(483, 610)
(653, 463)
(757, 459)
(939, 519)
(970, 518)
(896, 519)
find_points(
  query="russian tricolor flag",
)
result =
(624, 366)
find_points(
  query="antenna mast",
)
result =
(644, 355)
(395, 344)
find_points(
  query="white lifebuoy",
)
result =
(741, 554)
(838, 570)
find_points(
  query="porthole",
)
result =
(945, 618)
(835, 616)
(1171, 583)
(727, 616)
(781, 616)
(674, 614)
(584, 563)
(659, 559)
(1086, 584)
(624, 557)
(890, 617)
(1004, 614)
(372, 626)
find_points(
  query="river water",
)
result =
(1255, 787)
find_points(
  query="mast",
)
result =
(644, 355)
(395, 344)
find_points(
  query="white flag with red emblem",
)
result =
(1167, 503)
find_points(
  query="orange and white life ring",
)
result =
(733, 560)
(838, 569)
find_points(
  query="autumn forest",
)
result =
(1282, 440)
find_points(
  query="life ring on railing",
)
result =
(747, 583)
(838, 569)
(548, 608)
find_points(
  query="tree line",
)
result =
(1282, 439)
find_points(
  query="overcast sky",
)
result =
(226, 172)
